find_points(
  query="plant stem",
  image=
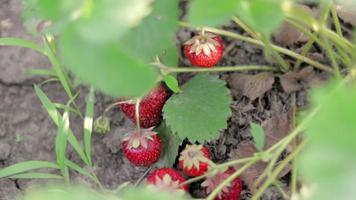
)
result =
(331, 55)
(219, 69)
(230, 179)
(256, 42)
(246, 28)
(137, 114)
(235, 162)
(277, 171)
(305, 50)
(336, 21)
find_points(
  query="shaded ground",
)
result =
(27, 132)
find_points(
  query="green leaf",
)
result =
(155, 36)
(35, 175)
(26, 166)
(41, 72)
(258, 136)
(201, 111)
(57, 10)
(55, 116)
(172, 83)
(263, 16)
(77, 168)
(329, 161)
(150, 193)
(88, 123)
(107, 20)
(106, 67)
(17, 42)
(211, 12)
(61, 140)
(171, 143)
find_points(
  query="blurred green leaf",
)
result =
(35, 175)
(61, 141)
(150, 193)
(258, 136)
(329, 161)
(58, 9)
(26, 166)
(17, 42)
(201, 111)
(211, 12)
(155, 36)
(107, 20)
(106, 66)
(263, 16)
(171, 143)
(172, 83)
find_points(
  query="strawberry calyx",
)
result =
(192, 155)
(203, 43)
(168, 184)
(139, 138)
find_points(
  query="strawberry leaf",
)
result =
(172, 83)
(201, 111)
(171, 143)
(258, 136)
(155, 36)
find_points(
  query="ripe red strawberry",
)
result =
(142, 148)
(167, 179)
(150, 108)
(194, 160)
(230, 192)
(204, 50)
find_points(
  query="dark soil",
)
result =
(27, 132)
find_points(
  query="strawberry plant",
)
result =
(129, 50)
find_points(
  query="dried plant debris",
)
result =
(251, 86)
(347, 13)
(288, 35)
(294, 81)
(249, 176)
(276, 128)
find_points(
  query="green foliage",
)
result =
(150, 193)
(88, 124)
(258, 136)
(264, 16)
(21, 43)
(329, 161)
(171, 143)
(26, 166)
(211, 12)
(155, 36)
(106, 66)
(172, 83)
(200, 112)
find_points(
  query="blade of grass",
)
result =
(35, 175)
(65, 107)
(26, 166)
(61, 144)
(88, 124)
(17, 42)
(54, 114)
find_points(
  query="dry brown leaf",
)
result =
(251, 86)
(276, 128)
(347, 13)
(294, 81)
(287, 34)
(249, 176)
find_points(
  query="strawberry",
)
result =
(142, 148)
(150, 108)
(204, 50)
(230, 192)
(194, 160)
(167, 179)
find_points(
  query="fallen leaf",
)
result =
(347, 13)
(251, 86)
(287, 34)
(294, 81)
(249, 176)
(276, 128)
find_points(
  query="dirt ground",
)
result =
(27, 132)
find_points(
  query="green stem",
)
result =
(331, 55)
(239, 161)
(230, 179)
(277, 171)
(217, 69)
(277, 48)
(246, 28)
(304, 52)
(336, 21)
